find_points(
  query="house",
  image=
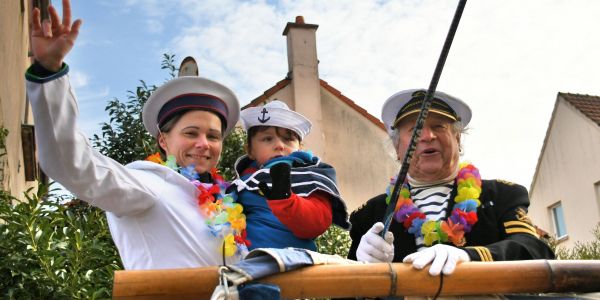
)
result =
(343, 134)
(18, 165)
(565, 190)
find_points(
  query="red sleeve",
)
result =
(306, 218)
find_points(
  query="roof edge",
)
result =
(542, 150)
(285, 82)
(291, 25)
(576, 101)
(352, 104)
(268, 93)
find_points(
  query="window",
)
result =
(558, 218)
(28, 139)
(597, 189)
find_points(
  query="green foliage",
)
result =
(51, 250)
(124, 137)
(334, 241)
(585, 250)
(168, 63)
(233, 147)
(3, 134)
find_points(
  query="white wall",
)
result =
(356, 147)
(567, 171)
(14, 46)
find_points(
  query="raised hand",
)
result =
(52, 39)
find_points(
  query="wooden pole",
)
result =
(373, 280)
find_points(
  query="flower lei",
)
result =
(461, 221)
(223, 215)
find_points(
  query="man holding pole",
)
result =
(445, 213)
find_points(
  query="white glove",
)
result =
(444, 259)
(373, 248)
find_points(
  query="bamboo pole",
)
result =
(372, 280)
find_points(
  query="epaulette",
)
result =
(505, 182)
(359, 208)
(522, 224)
(521, 215)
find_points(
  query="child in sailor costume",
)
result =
(289, 196)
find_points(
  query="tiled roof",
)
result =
(283, 83)
(268, 93)
(588, 105)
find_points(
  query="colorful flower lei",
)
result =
(461, 221)
(223, 215)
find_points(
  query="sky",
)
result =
(508, 61)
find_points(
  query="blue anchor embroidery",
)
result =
(263, 119)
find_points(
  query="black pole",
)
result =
(389, 212)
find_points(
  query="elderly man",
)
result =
(445, 213)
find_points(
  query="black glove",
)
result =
(281, 187)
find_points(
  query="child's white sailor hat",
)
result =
(190, 93)
(408, 102)
(278, 114)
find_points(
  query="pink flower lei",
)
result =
(461, 221)
(223, 215)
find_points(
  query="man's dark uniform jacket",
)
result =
(503, 230)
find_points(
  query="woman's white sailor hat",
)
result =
(190, 93)
(278, 114)
(408, 102)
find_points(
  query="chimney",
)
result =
(304, 73)
(188, 67)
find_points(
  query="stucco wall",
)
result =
(569, 167)
(283, 95)
(14, 111)
(357, 149)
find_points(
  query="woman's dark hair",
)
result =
(256, 129)
(170, 122)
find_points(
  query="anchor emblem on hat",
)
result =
(263, 119)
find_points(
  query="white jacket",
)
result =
(152, 210)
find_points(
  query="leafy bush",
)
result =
(124, 137)
(581, 250)
(3, 134)
(334, 241)
(54, 250)
(233, 147)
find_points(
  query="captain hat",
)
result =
(409, 102)
(189, 93)
(278, 114)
